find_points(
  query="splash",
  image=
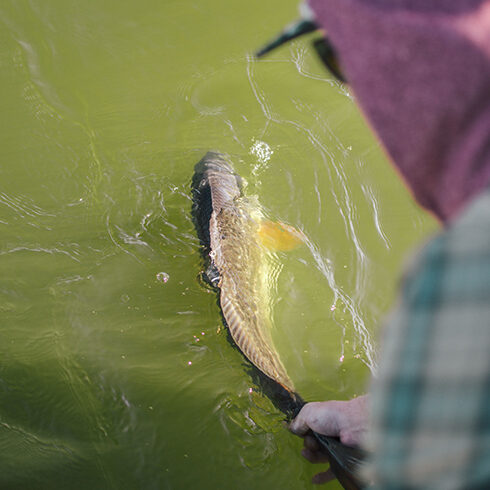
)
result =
(263, 153)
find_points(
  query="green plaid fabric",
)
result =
(431, 398)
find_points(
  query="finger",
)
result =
(311, 443)
(323, 477)
(314, 456)
(321, 417)
(299, 426)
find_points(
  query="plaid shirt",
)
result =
(431, 399)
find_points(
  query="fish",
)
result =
(235, 239)
(234, 236)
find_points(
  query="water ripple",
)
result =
(344, 204)
(325, 266)
(25, 208)
(372, 199)
(298, 56)
(73, 254)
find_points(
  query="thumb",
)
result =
(317, 416)
(299, 425)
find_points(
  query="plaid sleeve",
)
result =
(431, 398)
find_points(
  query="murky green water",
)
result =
(112, 374)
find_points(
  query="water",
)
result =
(115, 370)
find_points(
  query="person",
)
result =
(420, 71)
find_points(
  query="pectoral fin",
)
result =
(212, 275)
(279, 236)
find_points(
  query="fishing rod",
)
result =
(228, 235)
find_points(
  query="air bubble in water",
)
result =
(163, 277)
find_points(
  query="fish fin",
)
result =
(212, 275)
(275, 235)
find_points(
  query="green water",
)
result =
(115, 370)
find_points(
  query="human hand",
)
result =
(347, 420)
